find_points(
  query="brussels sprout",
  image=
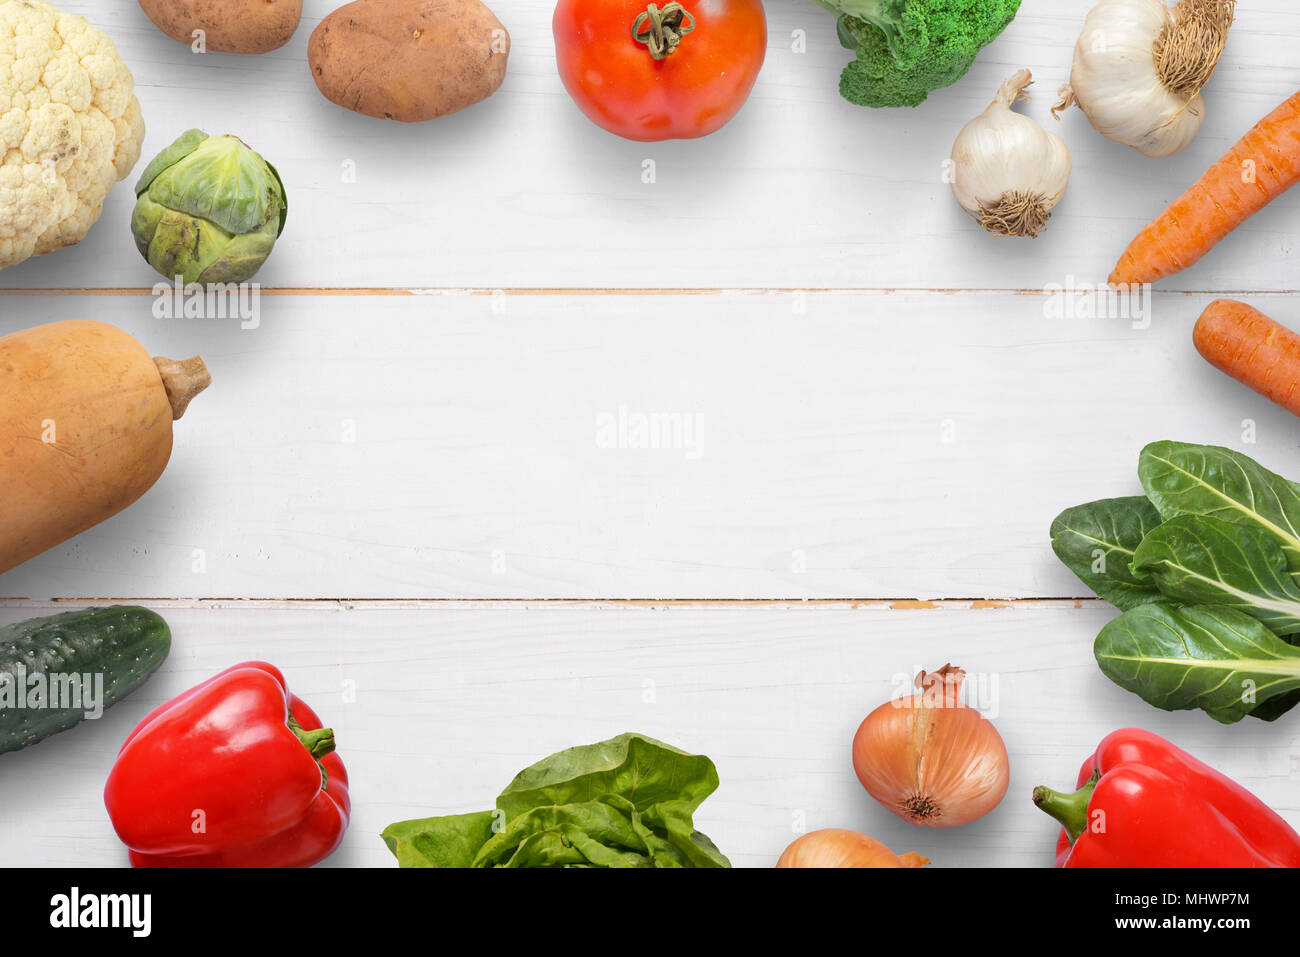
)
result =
(209, 210)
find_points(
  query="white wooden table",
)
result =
(402, 487)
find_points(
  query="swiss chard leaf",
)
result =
(1218, 659)
(1096, 541)
(1205, 561)
(1275, 707)
(1183, 479)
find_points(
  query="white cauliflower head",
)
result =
(70, 127)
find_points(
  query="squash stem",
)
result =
(183, 380)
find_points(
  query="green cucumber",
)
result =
(57, 671)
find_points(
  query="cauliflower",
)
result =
(70, 127)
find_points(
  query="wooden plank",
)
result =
(803, 190)
(824, 446)
(447, 701)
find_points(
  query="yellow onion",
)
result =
(836, 847)
(929, 758)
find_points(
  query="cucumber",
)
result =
(111, 651)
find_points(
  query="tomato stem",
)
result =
(662, 30)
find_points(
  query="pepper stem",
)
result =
(1070, 809)
(662, 30)
(318, 743)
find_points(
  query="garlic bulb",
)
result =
(1139, 68)
(1007, 171)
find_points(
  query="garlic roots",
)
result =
(1007, 171)
(1139, 68)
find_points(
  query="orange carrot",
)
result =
(1249, 346)
(1261, 167)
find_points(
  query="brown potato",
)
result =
(229, 26)
(409, 60)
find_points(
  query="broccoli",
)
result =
(906, 48)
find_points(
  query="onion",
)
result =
(929, 758)
(836, 847)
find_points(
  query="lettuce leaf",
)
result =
(625, 802)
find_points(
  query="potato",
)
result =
(409, 60)
(229, 26)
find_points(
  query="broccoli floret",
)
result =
(906, 48)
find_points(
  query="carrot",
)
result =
(1249, 346)
(1263, 165)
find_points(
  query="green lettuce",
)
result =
(625, 802)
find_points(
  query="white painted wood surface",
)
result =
(451, 700)
(830, 446)
(382, 489)
(801, 190)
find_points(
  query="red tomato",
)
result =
(700, 82)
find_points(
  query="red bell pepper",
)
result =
(236, 772)
(1144, 803)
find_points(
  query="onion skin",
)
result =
(931, 759)
(836, 847)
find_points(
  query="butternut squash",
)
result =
(85, 429)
